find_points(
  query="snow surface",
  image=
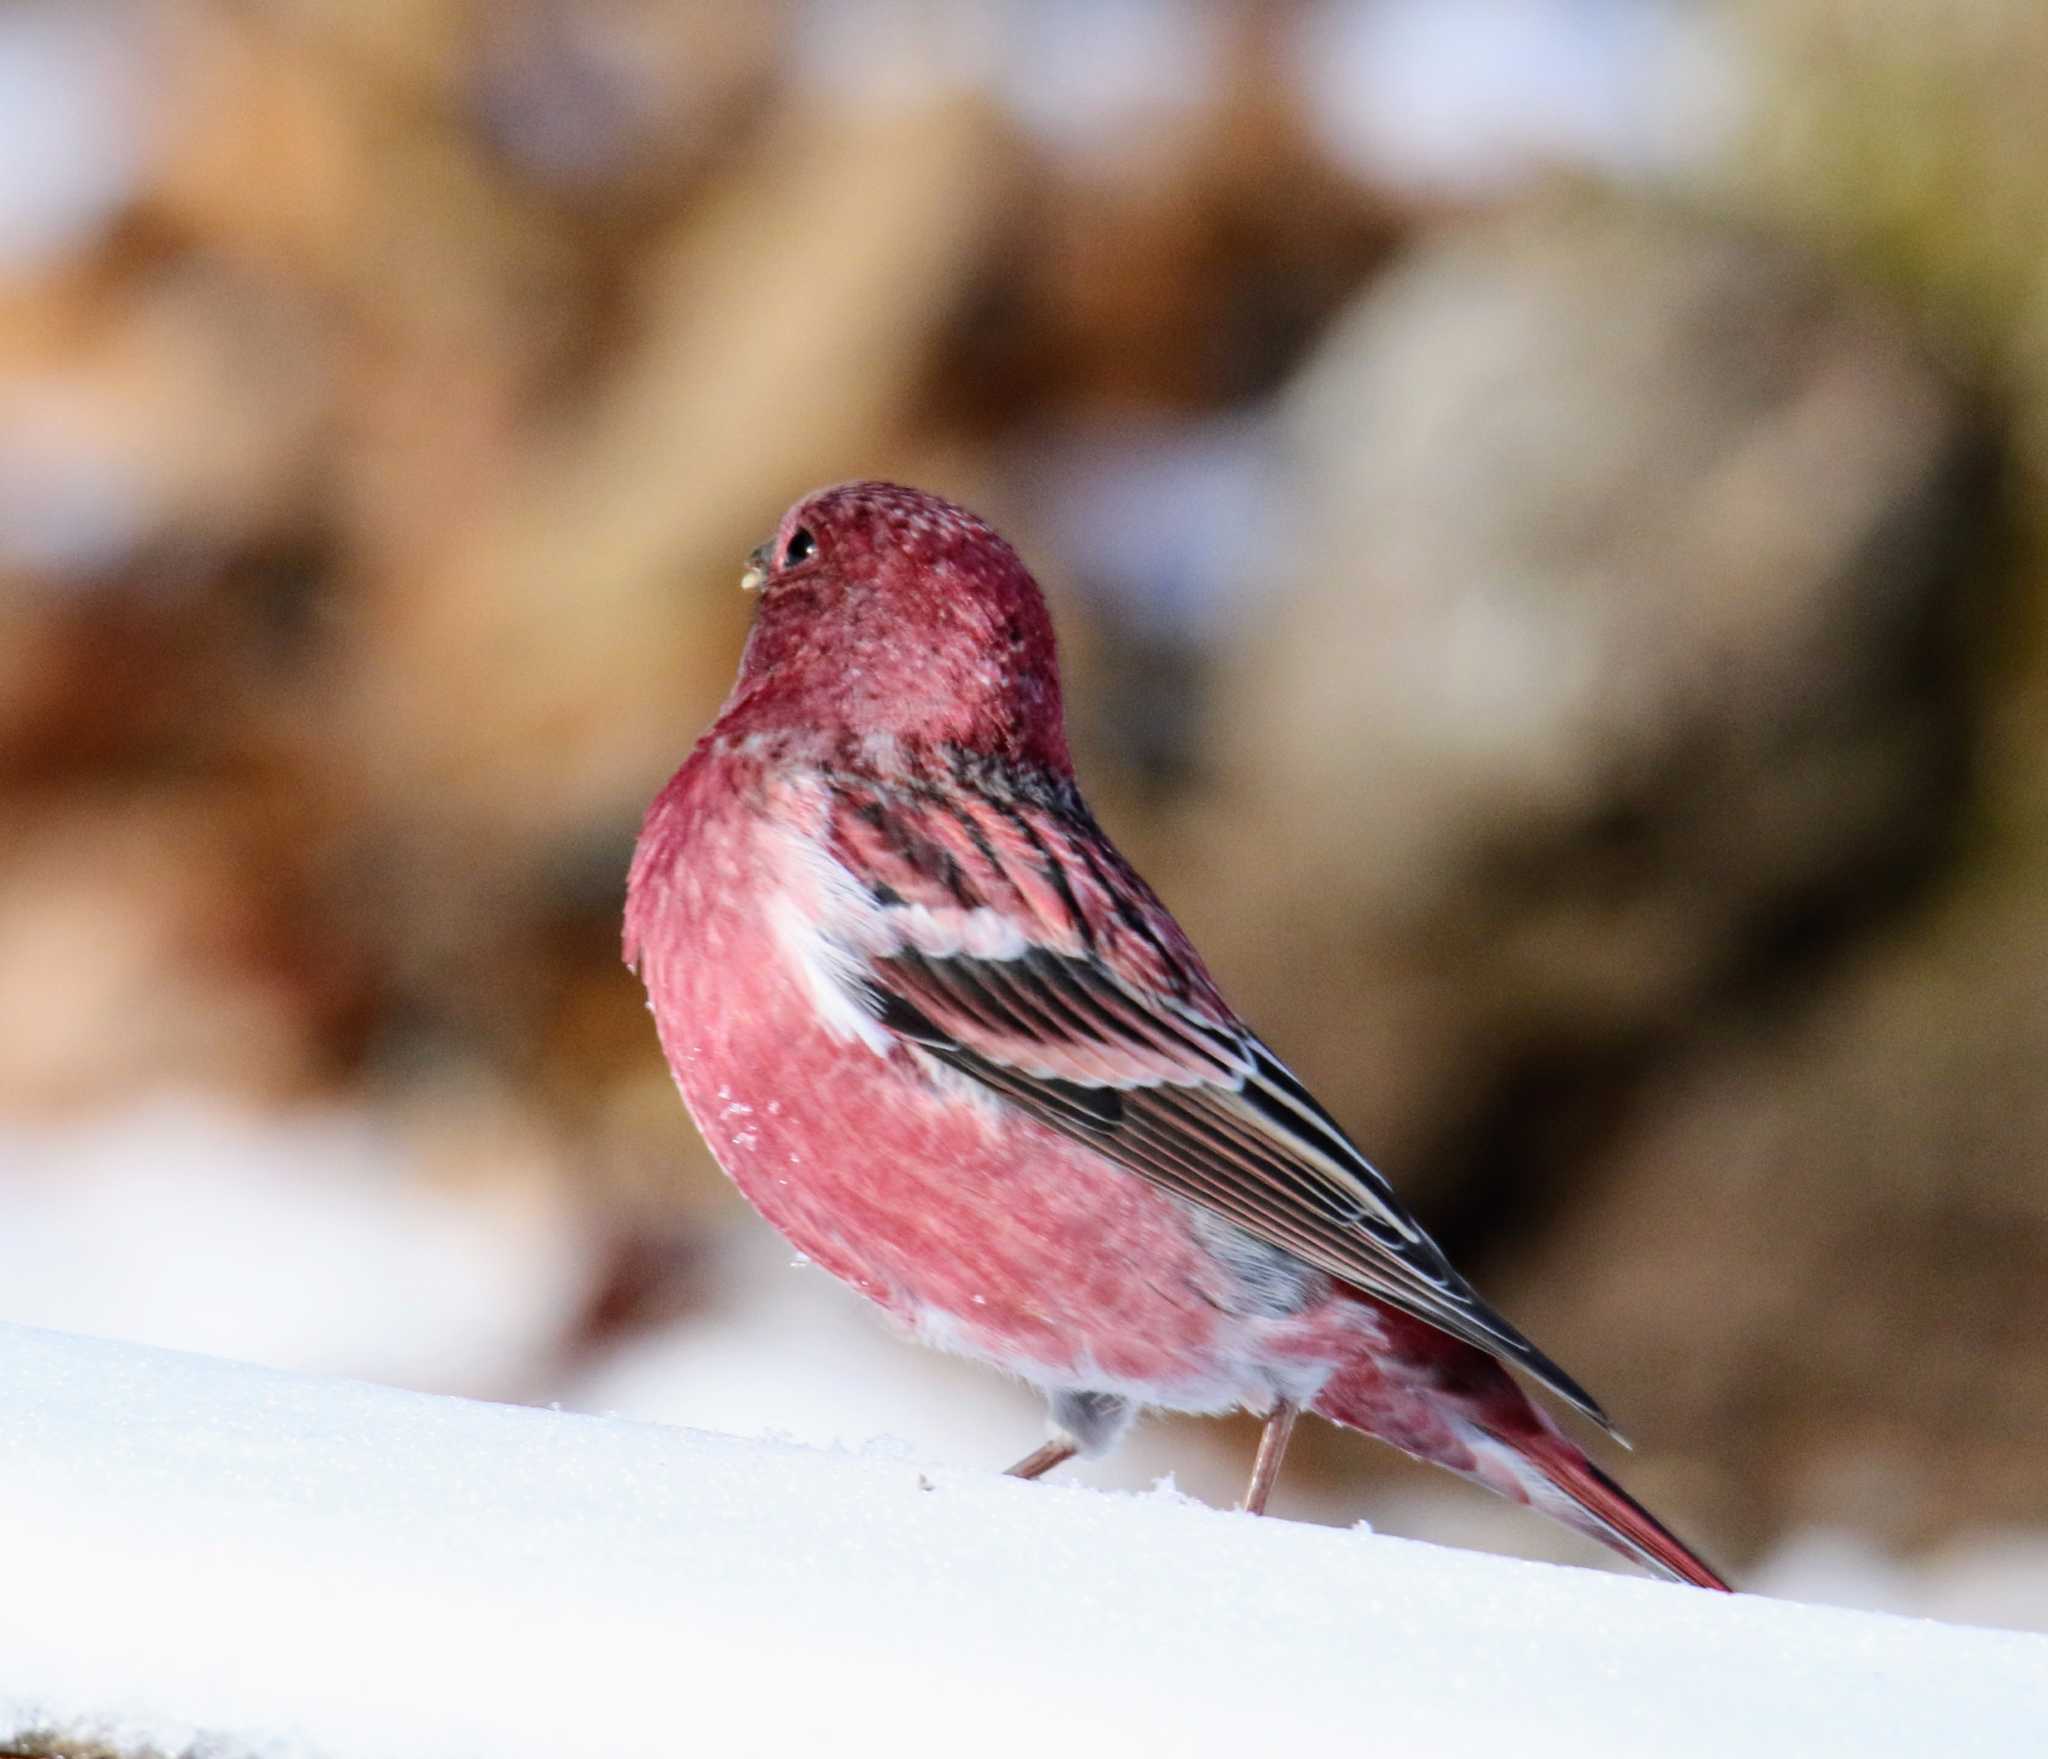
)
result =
(336, 1242)
(206, 1553)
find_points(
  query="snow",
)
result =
(1089, 76)
(74, 124)
(1985, 1576)
(312, 1238)
(1469, 97)
(1171, 518)
(781, 1351)
(1084, 77)
(335, 1240)
(204, 1553)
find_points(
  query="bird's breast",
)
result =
(987, 1232)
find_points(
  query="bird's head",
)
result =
(887, 613)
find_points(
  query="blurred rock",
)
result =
(1634, 572)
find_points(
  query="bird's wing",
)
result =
(1000, 932)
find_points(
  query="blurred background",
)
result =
(1542, 501)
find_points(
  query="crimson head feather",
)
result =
(892, 614)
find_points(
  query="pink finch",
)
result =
(941, 1035)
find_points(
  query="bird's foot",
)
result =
(1042, 1460)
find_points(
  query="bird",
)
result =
(942, 1036)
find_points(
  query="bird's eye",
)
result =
(800, 548)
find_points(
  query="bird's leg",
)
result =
(1273, 1441)
(1082, 1423)
(1042, 1460)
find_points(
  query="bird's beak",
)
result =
(756, 570)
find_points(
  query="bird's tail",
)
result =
(1595, 1504)
(1450, 1404)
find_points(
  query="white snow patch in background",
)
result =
(781, 1351)
(888, 55)
(1093, 76)
(1170, 519)
(1993, 1578)
(1465, 97)
(75, 123)
(303, 1240)
(1085, 77)
(201, 1552)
